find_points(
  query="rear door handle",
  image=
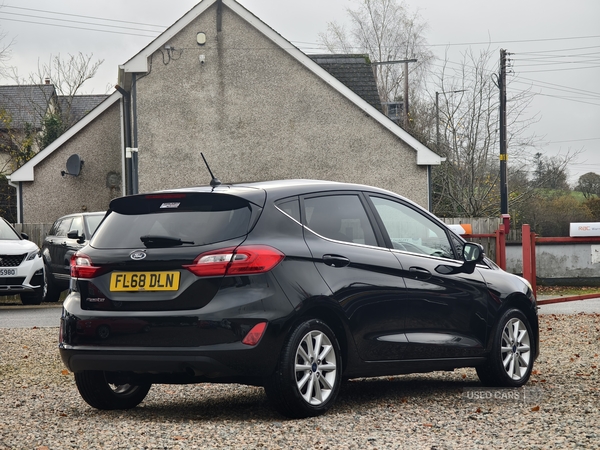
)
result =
(335, 260)
(419, 273)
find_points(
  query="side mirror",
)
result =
(25, 236)
(473, 253)
(73, 234)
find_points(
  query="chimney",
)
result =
(47, 80)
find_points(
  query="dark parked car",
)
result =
(67, 235)
(292, 285)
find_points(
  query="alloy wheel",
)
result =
(515, 349)
(315, 367)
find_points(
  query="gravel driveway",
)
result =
(559, 408)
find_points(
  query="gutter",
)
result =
(127, 125)
(19, 188)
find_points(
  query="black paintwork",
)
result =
(391, 310)
(57, 250)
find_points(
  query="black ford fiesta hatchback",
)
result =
(291, 285)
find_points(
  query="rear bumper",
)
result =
(196, 344)
(225, 364)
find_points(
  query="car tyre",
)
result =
(511, 359)
(307, 379)
(34, 298)
(99, 393)
(52, 291)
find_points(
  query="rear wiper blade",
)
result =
(162, 241)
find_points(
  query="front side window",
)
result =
(7, 233)
(63, 227)
(77, 225)
(411, 231)
(339, 217)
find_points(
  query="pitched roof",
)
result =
(26, 103)
(80, 105)
(26, 173)
(355, 71)
(139, 64)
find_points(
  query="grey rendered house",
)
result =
(222, 82)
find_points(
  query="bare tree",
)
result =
(5, 53)
(387, 31)
(467, 184)
(68, 76)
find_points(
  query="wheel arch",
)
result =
(528, 307)
(334, 319)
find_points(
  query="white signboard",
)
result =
(585, 229)
(595, 254)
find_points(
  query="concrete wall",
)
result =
(52, 195)
(560, 263)
(257, 114)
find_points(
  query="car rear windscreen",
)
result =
(162, 221)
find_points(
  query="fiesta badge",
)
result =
(137, 255)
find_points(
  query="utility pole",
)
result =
(503, 154)
(406, 94)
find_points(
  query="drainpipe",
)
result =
(429, 190)
(20, 202)
(19, 187)
(127, 125)
(134, 159)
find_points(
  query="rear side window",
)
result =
(339, 217)
(195, 219)
(290, 207)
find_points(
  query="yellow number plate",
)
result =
(144, 281)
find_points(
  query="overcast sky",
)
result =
(568, 103)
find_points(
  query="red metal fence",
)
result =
(529, 240)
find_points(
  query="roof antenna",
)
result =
(214, 181)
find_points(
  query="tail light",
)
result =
(81, 267)
(245, 260)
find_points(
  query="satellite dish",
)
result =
(74, 166)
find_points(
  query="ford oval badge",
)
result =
(137, 255)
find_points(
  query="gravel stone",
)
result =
(41, 409)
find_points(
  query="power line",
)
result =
(85, 17)
(567, 90)
(557, 50)
(558, 63)
(560, 85)
(544, 57)
(79, 22)
(516, 41)
(559, 70)
(568, 98)
(78, 28)
(574, 140)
